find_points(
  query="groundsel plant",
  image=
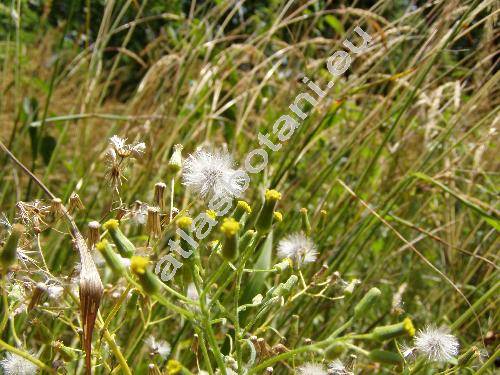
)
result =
(211, 173)
(249, 189)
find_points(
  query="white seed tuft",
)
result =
(436, 344)
(212, 174)
(161, 347)
(312, 369)
(14, 364)
(299, 248)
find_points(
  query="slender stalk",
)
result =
(117, 352)
(5, 304)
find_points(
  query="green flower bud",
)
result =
(247, 239)
(230, 228)
(322, 219)
(112, 259)
(185, 223)
(366, 302)
(405, 328)
(8, 255)
(383, 356)
(306, 225)
(283, 265)
(241, 209)
(175, 162)
(148, 280)
(266, 214)
(132, 303)
(123, 244)
(466, 359)
(67, 354)
(286, 287)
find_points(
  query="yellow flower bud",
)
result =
(173, 367)
(138, 264)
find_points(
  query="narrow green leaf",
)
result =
(489, 218)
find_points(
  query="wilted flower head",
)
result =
(436, 344)
(55, 291)
(14, 364)
(139, 213)
(32, 214)
(213, 174)
(161, 347)
(312, 369)
(124, 150)
(297, 247)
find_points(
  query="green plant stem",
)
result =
(206, 315)
(117, 352)
(5, 304)
(204, 350)
(237, 333)
(470, 311)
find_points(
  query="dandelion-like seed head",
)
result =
(312, 369)
(212, 174)
(14, 364)
(117, 142)
(299, 248)
(161, 347)
(436, 344)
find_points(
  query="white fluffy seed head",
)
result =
(297, 247)
(117, 142)
(312, 369)
(212, 173)
(13, 364)
(436, 344)
(161, 347)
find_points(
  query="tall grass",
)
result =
(396, 168)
